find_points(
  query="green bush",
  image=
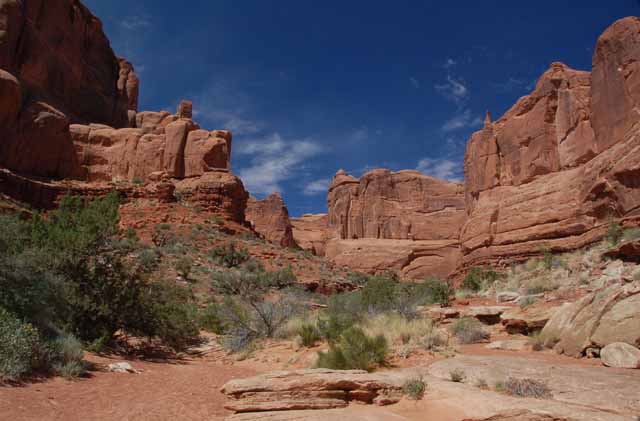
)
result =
(66, 356)
(20, 347)
(379, 294)
(355, 350)
(614, 232)
(230, 255)
(309, 335)
(469, 331)
(434, 291)
(183, 266)
(478, 279)
(415, 388)
(210, 319)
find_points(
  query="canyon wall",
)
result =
(558, 165)
(270, 218)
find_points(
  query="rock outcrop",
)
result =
(403, 221)
(311, 389)
(310, 232)
(69, 120)
(599, 319)
(561, 161)
(270, 218)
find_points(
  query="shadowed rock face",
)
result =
(564, 158)
(270, 218)
(310, 232)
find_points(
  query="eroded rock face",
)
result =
(270, 218)
(550, 171)
(620, 355)
(58, 51)
(404, 221)
(310, 232)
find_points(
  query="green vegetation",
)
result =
(415, 388)
(354, 350)
(309, 335)
(614, 232)
(72, 275)
(230, 256)
(479, 279)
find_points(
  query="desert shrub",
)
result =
(230, 255)
(525, 388)
(354, 350)
(457, 375)
(614, 232)
(631, 234)
(309, 335)
(469, 331)
(478, 279)
(434, 291)
(379, 294)
(397, 329)
(162, 236)
(210, 320)
(357, 278)
(481, 384)
(547, 258)
(20, 347)
(415, 388)
(526, 301)
(183, 266)
(148, 259)
(540, 285)
(66, 356)
(137, 181)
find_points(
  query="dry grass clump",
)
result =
(415, 388)
(398, 330)
(457, 375)
(524, 388)
(469, 331)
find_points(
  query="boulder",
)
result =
(620, 355)
(507, 297)
(10, 99)
(601, 318)
(270, 218)
(311, 389)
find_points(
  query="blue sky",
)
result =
(309, 87)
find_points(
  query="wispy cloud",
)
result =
(274, 160)
(133, 23)
(317, 187)
(449, 63)
(462, 120)
(415, 82)
(453, 90)
(445, 169)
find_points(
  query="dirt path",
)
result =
(185, 390)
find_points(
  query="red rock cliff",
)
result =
(561, 161)
(270, 218)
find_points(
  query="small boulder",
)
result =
(620, 355)
(509, 345)
(123, 367)
(507, 297)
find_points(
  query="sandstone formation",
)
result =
(526, 321)
(404, 221)
(311, 389)
(520, 415)
(310, 232)
(561, 161)
(69, 120)
(599, 319)
(270, 218)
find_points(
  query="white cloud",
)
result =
(441, 168)
(415, 82)
(449, 63)
(133, 23)
(315, 187)
(273, 160)
(462, 120)
(359, 135)
(454, 90)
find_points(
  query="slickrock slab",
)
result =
(520, 415)
(345, 414)
(509, 345)
(311, 389)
